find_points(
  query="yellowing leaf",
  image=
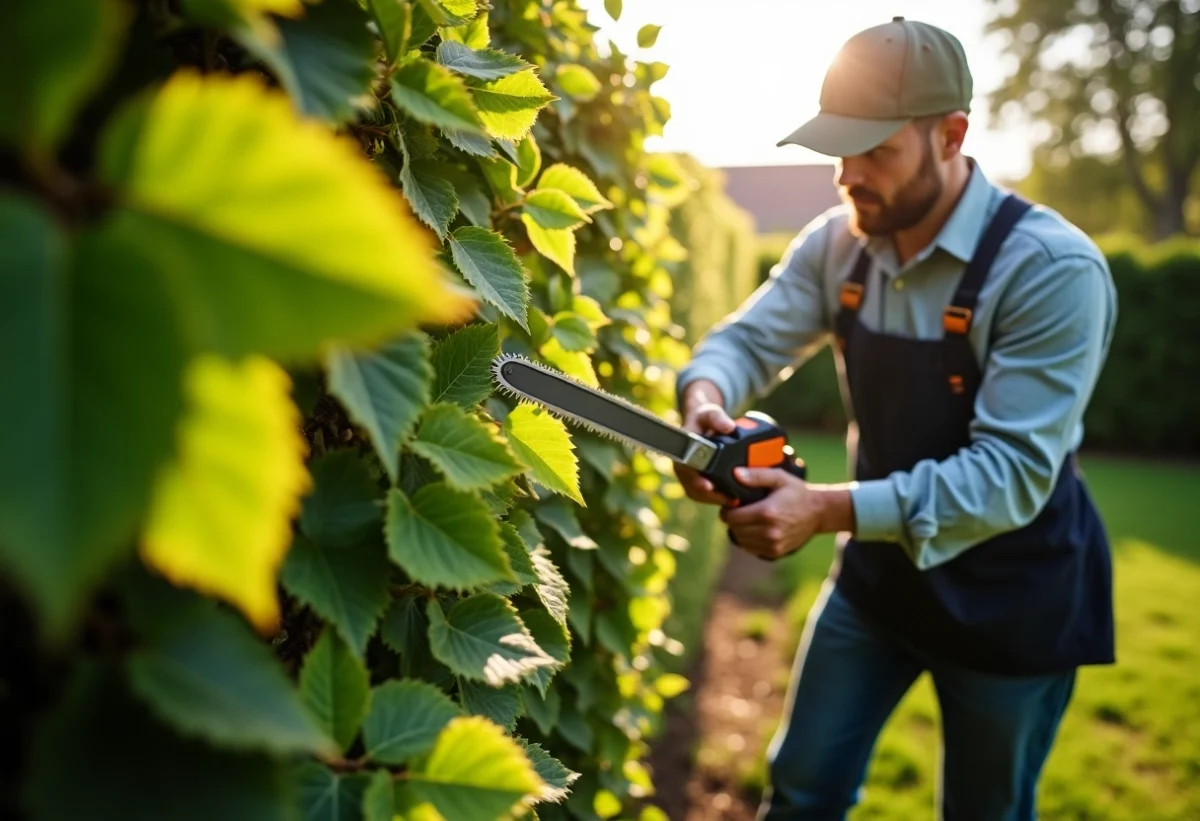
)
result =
(573, 363)
(540, 441)
(280, 236)
(220, 516)
(508, 106)
(556, 244)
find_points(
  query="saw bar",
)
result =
(607, 414)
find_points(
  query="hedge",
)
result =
(271, 546)
(1146, 400)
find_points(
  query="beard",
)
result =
(908, 207)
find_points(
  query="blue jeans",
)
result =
(847, 680)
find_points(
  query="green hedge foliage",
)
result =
(270, 546)
(1146, 400)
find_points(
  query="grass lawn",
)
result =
(1130, 743)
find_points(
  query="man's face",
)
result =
(894, 185)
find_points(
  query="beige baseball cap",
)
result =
(881, 78)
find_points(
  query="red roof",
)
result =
(782, 197)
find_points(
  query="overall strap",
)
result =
(956, 319)
(851, 297)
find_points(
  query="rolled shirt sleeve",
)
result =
(1051, 333)
(778, 327)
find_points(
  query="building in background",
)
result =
(781, 198)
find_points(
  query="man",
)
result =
(970, 330)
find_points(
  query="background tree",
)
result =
(1118, 80)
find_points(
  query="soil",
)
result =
(718, 733)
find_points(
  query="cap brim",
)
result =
(838, 136)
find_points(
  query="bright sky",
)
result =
(745, 73)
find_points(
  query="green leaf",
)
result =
(578, 81)
(474, 204)
(552, 637)
(573, 726)
(446, 538)
(345, 506)
(335, 688)
(508, 106)
(556, 244)
(325, 59)
(336, 258)
(208, 676)
(52, 56)
(423, 27)
(560, 517)
(475, 771)
(474, 34)
(613, 7)
(487, 261)
(324, 795)
(551, 208)
(345, 584)
(405, 719)
(379, 797)
(393, 18)
(220, 517)
(499, 704)
(576, 184)
(462, 364)
(482, 639)
(477, 145)
(406, 630)
(541, 443)
(647, 36)
(430, 194)
(384, 391)
(552, 589)
(529, 160)
(449, 12)
(519, 554)
(543, 712)
(556, 776)
(433, 95)
(74, 345)
(501, 176)
(573, 332)
(463, 448)
(485, 64)
(102, 744)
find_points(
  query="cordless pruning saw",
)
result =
(755, 442)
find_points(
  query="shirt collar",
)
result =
(962, 230)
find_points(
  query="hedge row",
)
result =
(1146, 400)
(271, 546)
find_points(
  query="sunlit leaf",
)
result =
(576, 364)
(449, 12)
(445, 537)
(556, 244)
(393, 18)
(541, 442)
(335, 688)
(576, 184)
(481, 638)
(434, 95)
(336, 256)
(556, 777)
(647, 35)
(551, 208)
(220, 519)
(475, 771)
(473, 35)
(613, 7)
(578, 81)
(508, 106)
(529, 160)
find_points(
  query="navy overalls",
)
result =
(1030, 601)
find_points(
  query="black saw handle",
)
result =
(756, 442)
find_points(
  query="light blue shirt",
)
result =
(1041, 331)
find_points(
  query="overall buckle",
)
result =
(956, 320)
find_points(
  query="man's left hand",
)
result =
(789, 517)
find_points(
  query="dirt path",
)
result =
(708, 763)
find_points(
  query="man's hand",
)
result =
(790, 516)
(703, 413)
